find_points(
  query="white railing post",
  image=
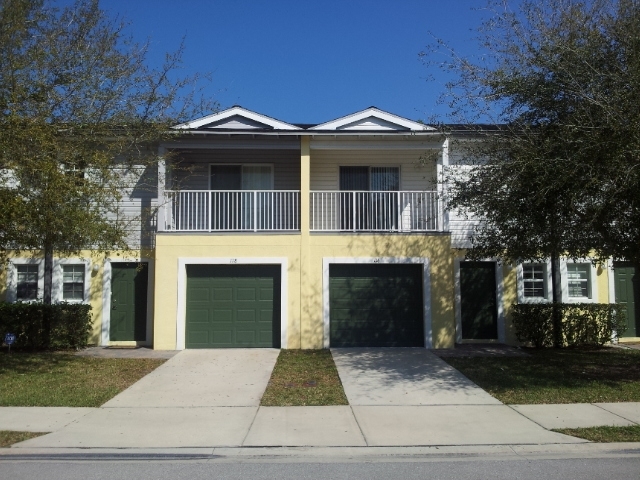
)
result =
(354, 218)
(255, 211)
(399, 200)
(209, 211)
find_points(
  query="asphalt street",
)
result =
(461, 467)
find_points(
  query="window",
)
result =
(533, 278)
(73, 282)
(373, 205)
(578, 280)
(241, 177)
(27, 282)
(381, 179)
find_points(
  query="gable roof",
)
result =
(372, 118)
(236, 118)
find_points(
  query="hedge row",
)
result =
(42, 327)
(582, 323)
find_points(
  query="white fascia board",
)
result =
(243, 112)
(372, 112)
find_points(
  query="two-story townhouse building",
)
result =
(270, 234)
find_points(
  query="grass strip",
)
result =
(568, 375)
(304, 378)
(9, 437)
(66, 380)
(605, 434)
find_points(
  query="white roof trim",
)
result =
(348, 121)
(236, 111)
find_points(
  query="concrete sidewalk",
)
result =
(398, 398)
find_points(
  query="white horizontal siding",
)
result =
(325, 167)
(191, 170)
(137, 207)
(461, 225)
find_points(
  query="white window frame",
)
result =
(592, 283)
(547, 283)
(12, 278)
(58, 280)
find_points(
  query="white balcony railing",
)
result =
(365, 211)
(238, 210)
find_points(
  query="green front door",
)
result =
(627, 286)
(478, 310)
(233, 306)
(373, 305)
(128, 301)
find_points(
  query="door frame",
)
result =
(426, 289)
(499, 301)
(181, 314)
(612, 299)
(106, 300)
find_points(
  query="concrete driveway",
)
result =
(404, 376)
(198, 398)
(409, 396)
(203, 378)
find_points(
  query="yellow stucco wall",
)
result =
(170, 248)
(436, 248)
(96, 282)
(305, 320)
(305, 325)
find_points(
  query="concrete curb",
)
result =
(378, 454)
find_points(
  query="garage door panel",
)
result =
(200, 294)
(200, 316)
(197, 337)
(246, 294)
(221, 337)
(241, 311)
(222, 294)
(376, 305)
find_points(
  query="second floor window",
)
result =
(27, 282)
(533, 277)
(384, 179)
(241, 177)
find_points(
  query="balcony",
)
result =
(371, 211)
(232, 211)
(279, 211)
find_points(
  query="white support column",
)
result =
(162, 201)
(443, 213)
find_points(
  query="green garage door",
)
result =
(373, 305)
(233, 306)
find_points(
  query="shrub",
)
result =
(38, 326)
(582, 323)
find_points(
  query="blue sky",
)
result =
(309, 61)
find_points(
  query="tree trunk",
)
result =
(48, 275)
(556, 288)
(47, 297)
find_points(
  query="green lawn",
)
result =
(66, 380)
(604, 434)
(557, 375)
(304, 377)
(8, 437)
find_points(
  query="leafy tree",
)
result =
(80, 115)
(560, 175)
